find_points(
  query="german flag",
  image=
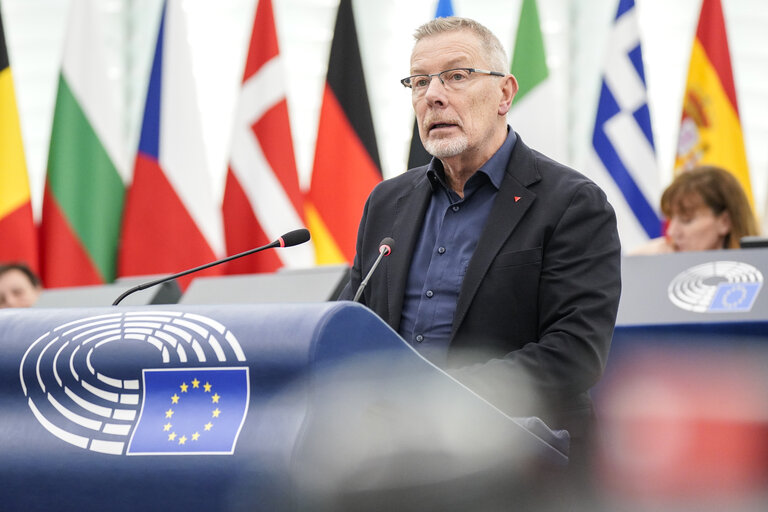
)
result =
(18, 238)
(710, 130)
(346, 166)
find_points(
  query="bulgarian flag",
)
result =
(84, 190)
(262, 198)
(346, 166)
(17, 227)
(710, 130)
(171, 221)
(537, 92)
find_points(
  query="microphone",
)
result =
(295, 237)
(385, 249)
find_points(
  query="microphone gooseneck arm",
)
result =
(295, 237)
(385, 249)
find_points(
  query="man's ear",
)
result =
(508, 91)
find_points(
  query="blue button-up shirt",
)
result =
(448, 238)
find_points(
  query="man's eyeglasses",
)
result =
(453, 79)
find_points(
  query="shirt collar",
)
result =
(494, 168)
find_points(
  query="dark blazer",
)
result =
(538, 303)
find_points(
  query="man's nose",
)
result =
(435, 89)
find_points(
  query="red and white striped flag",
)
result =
(262, 198)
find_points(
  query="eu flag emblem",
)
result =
(733, 297)
(191, 411)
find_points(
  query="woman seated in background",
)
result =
(706, 209)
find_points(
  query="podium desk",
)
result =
(244, 407)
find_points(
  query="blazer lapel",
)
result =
(509, 207)
(409, 217)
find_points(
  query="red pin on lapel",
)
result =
(517, 198)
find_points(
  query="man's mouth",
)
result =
(438, 126)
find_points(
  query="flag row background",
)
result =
(575, 37)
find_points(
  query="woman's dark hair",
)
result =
(720, 191)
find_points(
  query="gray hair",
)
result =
(494, 51)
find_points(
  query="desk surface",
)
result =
(694, 287)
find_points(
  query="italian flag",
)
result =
(84, 190)
(537, 92)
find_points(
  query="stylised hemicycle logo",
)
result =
(149, 410)
(716, 287)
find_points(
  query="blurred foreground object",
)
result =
(686, 428)
(683, 406)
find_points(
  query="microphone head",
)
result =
(295, 237)
(386, 245)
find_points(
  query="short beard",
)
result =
(447, 148)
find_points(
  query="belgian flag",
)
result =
(18, 237)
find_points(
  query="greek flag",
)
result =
(625, 162)
(191, 411)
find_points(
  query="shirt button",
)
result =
(419, 338)
(441, 250)
(430, 293)
(455, 208)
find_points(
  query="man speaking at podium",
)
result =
(505, 266)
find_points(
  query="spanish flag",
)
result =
(346, 164)
(710, 130)
(18, 239)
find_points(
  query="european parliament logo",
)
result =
(139, 383)
(191, 412)
(716, 287)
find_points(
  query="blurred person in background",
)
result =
(19, 286)
(706, 209)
